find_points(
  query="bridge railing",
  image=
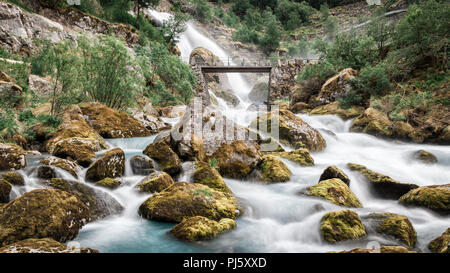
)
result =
(246, 62)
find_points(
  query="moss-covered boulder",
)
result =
(341, 225)
(46, 172)
(12, 157)
(141, 165)
(273, 170)
(111, 165)
(45, 245)
(189, 199)
(201, 228)
(336, 86)
(166, 158)
(383, 249)
(75, 149)
(436, 198)
(441, 244)
(209, 176)
(373, 122)
(109, 183)
(335, 191)
(300, 156)
(392, 225)
(110, 123)
(334, 172)
(425, 157)
(292, 130)
(43, 213)
(334, 109)
(14, 178)
(64, 164)
(155, 182)
(5, 190)
(99, 202)
(382, 185)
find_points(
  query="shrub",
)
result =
(372, 80)
(293, 14)
(320, 72)
(202, 10)
(272, 35)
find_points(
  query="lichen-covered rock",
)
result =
(42, 213)
(373, 122)
(46, 172)
(172, 111)
(109, 183)
(201, 228)
(383, 249)
(292, 130)
(100, 203)
(335, 191)
(209, 176)
(14, 178)
(334, 109)
(5, 190)
(273, 170)
(45, 245)
(12, 157)
(155, 182)
(334, 172)
(189, 199)
(111, 165)
(166, 158)
(110, 123)
(382, 185)
(392, 225)
(336, 87)
(299, 107)
(141, 165)
(425, 157)
(341, 225)
(75, 149)
(441, 244)
(64, 164)
(300, 156)
(152, 123)
(436, 197)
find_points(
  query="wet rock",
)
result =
(167, 160)
(109, 183)
(425, 157)
(201, 228)
(43, 213)
(227, 95)
(12, 157)
(5, 190)
(299, 107)
(341, 225)
(259, 92)
(403, 130)
(334, 172)
(392, 225)
(153, 124)
(383, 249)
(300, 156)
(336, 87)
(293, 130)
(335, 191)
(189, 199)
(141, 165)
(382, 185)
(100, 203)
(64, 164)
(172, 111)
(45, 245)
(436, 198)
(110, 123)
(373, 122)
(273, 170)
(155, 182)
(441, 244)
(334, 109)
(111, 165)
(46, 172)
(14, 178)
(209, 176)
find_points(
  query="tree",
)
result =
(139, 4)
(174, 27)
(293, 14)
(381, 31)
(202, 11)
(240, 7)
(272, 35)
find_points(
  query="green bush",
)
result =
(372, 80)
(272, 35)
(320, 72)
(293, 14)
(202, 10)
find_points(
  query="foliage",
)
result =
(330, 27)
(202, 10)
(272, 36)
(292, 14)
(372, 80)
(174, 27)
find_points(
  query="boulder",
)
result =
(334, 172)
(46, 172)
(373, 122)
(259, 92)
(45, 245)
(335, 191)
(109, 183)
(341, 225)
(155, 182)
(403, 130)
(10, 90)
(40, 86)
(64, 164)
(189, 199)
(336, 87)
(383, 249)
(209, 176)
(172, 111)
(436, 198)
(5, 190)
(334, 109)
(300, 156)
(110, 123)
(227, 95)
(299, 107)
(111, 165)
(14, 178)
(201, 228)
(166, 158)
(153, 124)
(42, 213)
(99, 202)
(12, 157)
(425, 157)
(382, 185)
(141, 165)
(441, 244)
(392, 225)
(292, 130)
(273, 170)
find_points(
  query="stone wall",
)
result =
(283, 78)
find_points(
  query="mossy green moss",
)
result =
(5, 189)
(111, 165)
(45, 245)
(336, 191)
(397, 226)
(201, 228)
(334, 172)
(67, 165)
(341, 225)
(109, 183)
(155, 182)
(14, 178)
(166, 158)
(383, 249)
(436, 198)
(300, 156)
(209, 176)
(441, 244)
(273, 170)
